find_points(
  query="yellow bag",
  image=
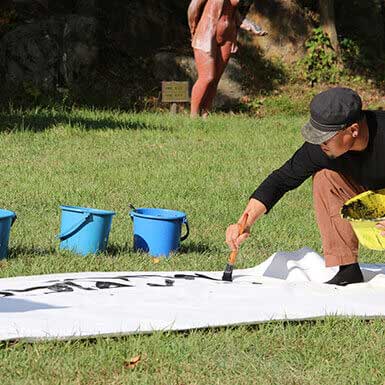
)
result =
(363, 212)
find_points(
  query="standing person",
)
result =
(214, 26)
(345, 153)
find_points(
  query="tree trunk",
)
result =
(328, 25)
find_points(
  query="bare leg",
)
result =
(222, 58)
(205, 65)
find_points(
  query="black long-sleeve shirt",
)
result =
(366, 167)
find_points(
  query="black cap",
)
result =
(332, 111)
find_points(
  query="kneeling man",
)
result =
(344, 151)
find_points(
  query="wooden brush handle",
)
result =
(242, 226)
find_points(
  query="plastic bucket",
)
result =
(7, 218)
(363, 212)
(84, 230)
(158, 231)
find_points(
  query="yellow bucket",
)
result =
(363, 212)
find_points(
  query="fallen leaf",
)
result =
(132, 363)
(155, 260)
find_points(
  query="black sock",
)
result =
(347, 274)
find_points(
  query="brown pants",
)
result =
(330, 191)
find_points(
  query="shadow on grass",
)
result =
(116, 249)
(185, 248)
(36, 122)
(112, 250)
(198, 247)
(15, 252)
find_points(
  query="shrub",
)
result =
(321, 61)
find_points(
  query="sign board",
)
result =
(173, 92)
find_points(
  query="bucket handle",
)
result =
(185, 221)
(13, 219)
(66, 234)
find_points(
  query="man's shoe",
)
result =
(347, 275)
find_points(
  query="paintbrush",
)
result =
(228, 273)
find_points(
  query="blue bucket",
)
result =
(7, 218)
(84, 230)
(158, 231)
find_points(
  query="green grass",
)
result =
(207, 168)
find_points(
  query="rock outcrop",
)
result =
(49, 51)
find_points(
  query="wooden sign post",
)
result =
(175, 92)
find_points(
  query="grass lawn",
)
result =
(107, 159)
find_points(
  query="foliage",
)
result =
(321, 61)
(350, 52)
(322, 64)
(8, 20)
(7, 16)
(357, 60)
(32, 91)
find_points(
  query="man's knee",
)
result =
(324, 180)
(207, 80)
(326, 176)
(331, 182)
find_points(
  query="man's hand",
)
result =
(381, 226)
(253, 211)
(233, 239)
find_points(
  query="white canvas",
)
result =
(287, 286)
